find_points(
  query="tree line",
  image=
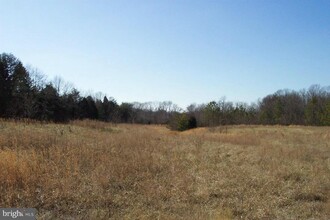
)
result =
(25, 93)
(285, 107)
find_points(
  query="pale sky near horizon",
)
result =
(185, 51)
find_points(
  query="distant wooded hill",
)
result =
(24, 93)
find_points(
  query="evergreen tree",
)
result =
(125, 112)
(72, 100)
(21, 93)
(106, 109)
(88, 108)
(49, 106)
(8, 64)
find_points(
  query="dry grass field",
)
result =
(94, 170)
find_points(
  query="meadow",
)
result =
(95, 170)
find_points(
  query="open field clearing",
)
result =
(94, 170)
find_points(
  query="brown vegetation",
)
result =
(95, 170)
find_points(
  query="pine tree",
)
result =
(8, 64)
(21, 93)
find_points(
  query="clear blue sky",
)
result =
(180, 50)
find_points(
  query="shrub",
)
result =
(182, 122)
(192, 122)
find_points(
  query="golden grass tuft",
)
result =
(95, 170)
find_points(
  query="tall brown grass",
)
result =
(94, 170)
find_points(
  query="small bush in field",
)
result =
(192, 122)
(182, 122)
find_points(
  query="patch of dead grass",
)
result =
(94, 170)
